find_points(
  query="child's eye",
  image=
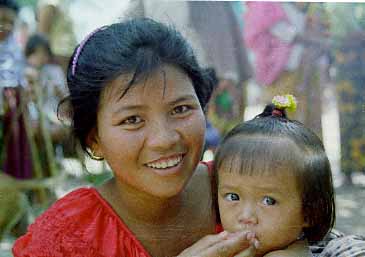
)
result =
(232, 197)
(267, 200)
(180, 109)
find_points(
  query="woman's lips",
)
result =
(166, 165)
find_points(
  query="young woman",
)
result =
(138, 95)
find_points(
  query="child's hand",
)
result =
(296, 249)
(223, 244)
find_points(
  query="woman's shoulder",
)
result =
(67, 227)
(71, 206)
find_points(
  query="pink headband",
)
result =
(78, 51)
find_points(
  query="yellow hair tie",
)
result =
(285, 102)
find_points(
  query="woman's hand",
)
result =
(222, 245)
(249, 252)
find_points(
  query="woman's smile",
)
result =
(166, 162)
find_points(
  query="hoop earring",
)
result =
(93, 156)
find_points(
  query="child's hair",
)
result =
(138, 47)
(34, 42)
(270, 143)
(11, 4)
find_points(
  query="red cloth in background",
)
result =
(18, 160)
(271, 54)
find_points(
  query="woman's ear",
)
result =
(92, 142)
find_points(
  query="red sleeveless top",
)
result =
(81, 224)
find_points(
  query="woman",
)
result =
(138, 96)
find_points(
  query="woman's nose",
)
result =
(247, 215)
(162, 135)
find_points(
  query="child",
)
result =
(51, 77)
(274, 179)
(11, 56)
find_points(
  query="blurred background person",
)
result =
(46, 81)
(347, 27)
(11, 55)
(15, 151)
(51, 78)
(54, 21)
(286, 50)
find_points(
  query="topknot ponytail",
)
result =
(272, 110)
(279, 105)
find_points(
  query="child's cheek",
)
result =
(228, 218)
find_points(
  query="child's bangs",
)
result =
(258, 155)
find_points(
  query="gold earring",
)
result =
(93, 156)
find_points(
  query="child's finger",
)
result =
(234, 243)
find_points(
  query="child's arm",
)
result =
(296, 249)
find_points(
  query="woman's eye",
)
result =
(132, 120)
(267, 200)
(180, 109)
(232, 197)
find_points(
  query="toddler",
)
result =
(274, 179)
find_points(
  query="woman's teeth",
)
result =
(171, 162)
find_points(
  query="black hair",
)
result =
(11, 4)
(34, 42)
(138, 46)
(269, 142)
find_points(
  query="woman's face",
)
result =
(152, 137)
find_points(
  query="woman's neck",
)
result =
(138, 206)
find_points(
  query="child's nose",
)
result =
(248, 215)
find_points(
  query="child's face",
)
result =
(7, 19)
(39, 57)
(269, 205)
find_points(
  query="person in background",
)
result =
(286, 48)
(11, 56)
(15, 151)
(46, 88)
(51, 78)
(347, 28)
(54, 22)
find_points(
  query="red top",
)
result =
(81, 224)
